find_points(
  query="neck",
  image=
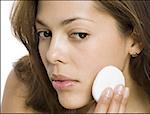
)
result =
(138, 100)
(88, 108)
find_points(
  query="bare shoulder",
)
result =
(15, 93)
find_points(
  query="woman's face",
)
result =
(76, 41)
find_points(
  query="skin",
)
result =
(65, 53)
(70, 55)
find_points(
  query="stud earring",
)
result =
(134, 54)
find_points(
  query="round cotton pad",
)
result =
(109, 76)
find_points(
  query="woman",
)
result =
(67, 43)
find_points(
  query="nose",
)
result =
(57, 51)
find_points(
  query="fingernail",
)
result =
(119, 90)
(108, 92)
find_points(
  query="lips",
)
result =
(61, 82)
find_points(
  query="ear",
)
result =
(134, 47)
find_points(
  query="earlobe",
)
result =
(135, 48)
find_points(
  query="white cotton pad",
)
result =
(109, 76)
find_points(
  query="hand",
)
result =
(113, 101)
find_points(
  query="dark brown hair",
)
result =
(133, 18)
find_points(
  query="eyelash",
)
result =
(76, 35)
(44, 34)
(79, 35)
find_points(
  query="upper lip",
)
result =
(60, 77)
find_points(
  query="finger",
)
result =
(116, 100)
(103, 103)
(124, 101)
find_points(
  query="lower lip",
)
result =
(60, 85)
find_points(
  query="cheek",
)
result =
(113, 53)
(100, 53)
(43, 48)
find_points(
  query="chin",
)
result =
(71, 106)
(73, 102)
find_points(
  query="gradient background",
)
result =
(11, 48)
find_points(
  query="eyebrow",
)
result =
(64, 22)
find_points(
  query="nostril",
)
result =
(60, 61)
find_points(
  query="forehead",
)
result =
(61, 9)
(63, 4)
(54, 13)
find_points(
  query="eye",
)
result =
(44, 34)
(79, 35)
